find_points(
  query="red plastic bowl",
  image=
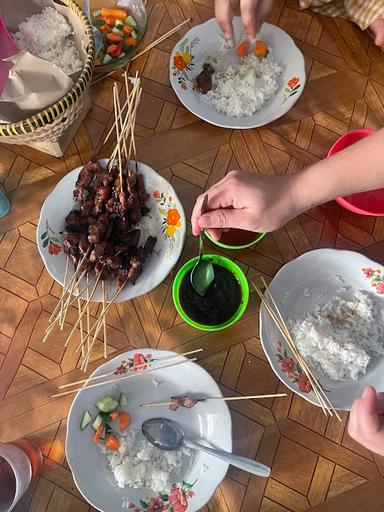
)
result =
(365, 203)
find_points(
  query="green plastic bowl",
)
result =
(225, 246)
(232, 267)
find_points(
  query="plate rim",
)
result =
(125, 355)
(77, 170)
(224, 125)
(306, 396)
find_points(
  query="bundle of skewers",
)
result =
(272, 309)
(101, 233)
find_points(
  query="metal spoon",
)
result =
(202, 274)
(99, 41)
(168, 435)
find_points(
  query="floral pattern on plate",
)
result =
(183, 62)
(144, 361)
(175, 501)
(293, 85)
(292, 369)
(376, 277)
(50, 239)
(171, 219)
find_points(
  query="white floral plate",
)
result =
(311, 279)
(166, 221)
(210, 422)
(191, 52)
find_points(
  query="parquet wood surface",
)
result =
(315, 465)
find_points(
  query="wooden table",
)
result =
(315, 465)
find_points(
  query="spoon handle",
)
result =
(249, 465)
(87, 9)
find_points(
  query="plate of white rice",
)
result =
(333, 304)
(246, 93)
(138, 476)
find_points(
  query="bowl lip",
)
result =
(342, 201)
(229, 265)
(235, 247)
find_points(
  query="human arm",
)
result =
(366, 422)
(264, 203)
(253, 13)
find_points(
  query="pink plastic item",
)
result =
(365, 203)
(8, 48)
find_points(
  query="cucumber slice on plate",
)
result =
(134, 34)
(131, 20)
(107, 404)
(95, 14)
(96, 424)
(86, 420)
(123, 400)
(107, 59)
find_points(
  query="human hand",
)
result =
(366, 422)
(252, 202)
(253, 14)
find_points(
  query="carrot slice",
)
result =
(111, 442)
(116, 38)
(119, 14)
(124, 421)
(112, 48)
(261, 49)
(98, 433)
(114, 415)
(109, 20)
(242, 49)
(127, 29)
(131, 41)
(105, 28)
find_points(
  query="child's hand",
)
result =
(253, 14)
(252, 202)
(366, 422)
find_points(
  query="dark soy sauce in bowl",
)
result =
(218, 305)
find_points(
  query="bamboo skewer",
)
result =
(88, 312)
(145, 50)
(64, 289)
(125, 377)
(104, 323)
(115, 100)
(218, 398)
(83, 311)
(136, 367)
(323, 399)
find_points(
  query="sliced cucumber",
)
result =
(96, 424)
(107, 59)
(119, 24)
(107, 404)
(134, 34)
(123, 400)
(86, 420)
(95, 14)
(117, 31)
(131, 20)
(98, 23)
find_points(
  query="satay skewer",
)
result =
(117, 122)
(217, 398)
(133, 369)
(104, 322)
(64, 288)
(125, 377)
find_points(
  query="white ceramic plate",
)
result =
(311, 279)
(166, 221)
(202, 41)
(208, 421)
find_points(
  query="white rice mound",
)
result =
(340, 338)
(139, 464)
(243, 89)
(49, 36)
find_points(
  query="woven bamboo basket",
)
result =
(49, 124)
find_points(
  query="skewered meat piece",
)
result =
(73, 221)
(141, 189)
(88, 205)
(132, 181)
(96, 232)
(97, 252)
(203, 82)
(122, 275)
(71, 240)
(101, 270)
(85, 179)
(149, 245)
(182, 401)
(84, 244)
(135, 270)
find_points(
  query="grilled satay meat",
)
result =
(182, 401)
(203, 82)
(104, 227)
